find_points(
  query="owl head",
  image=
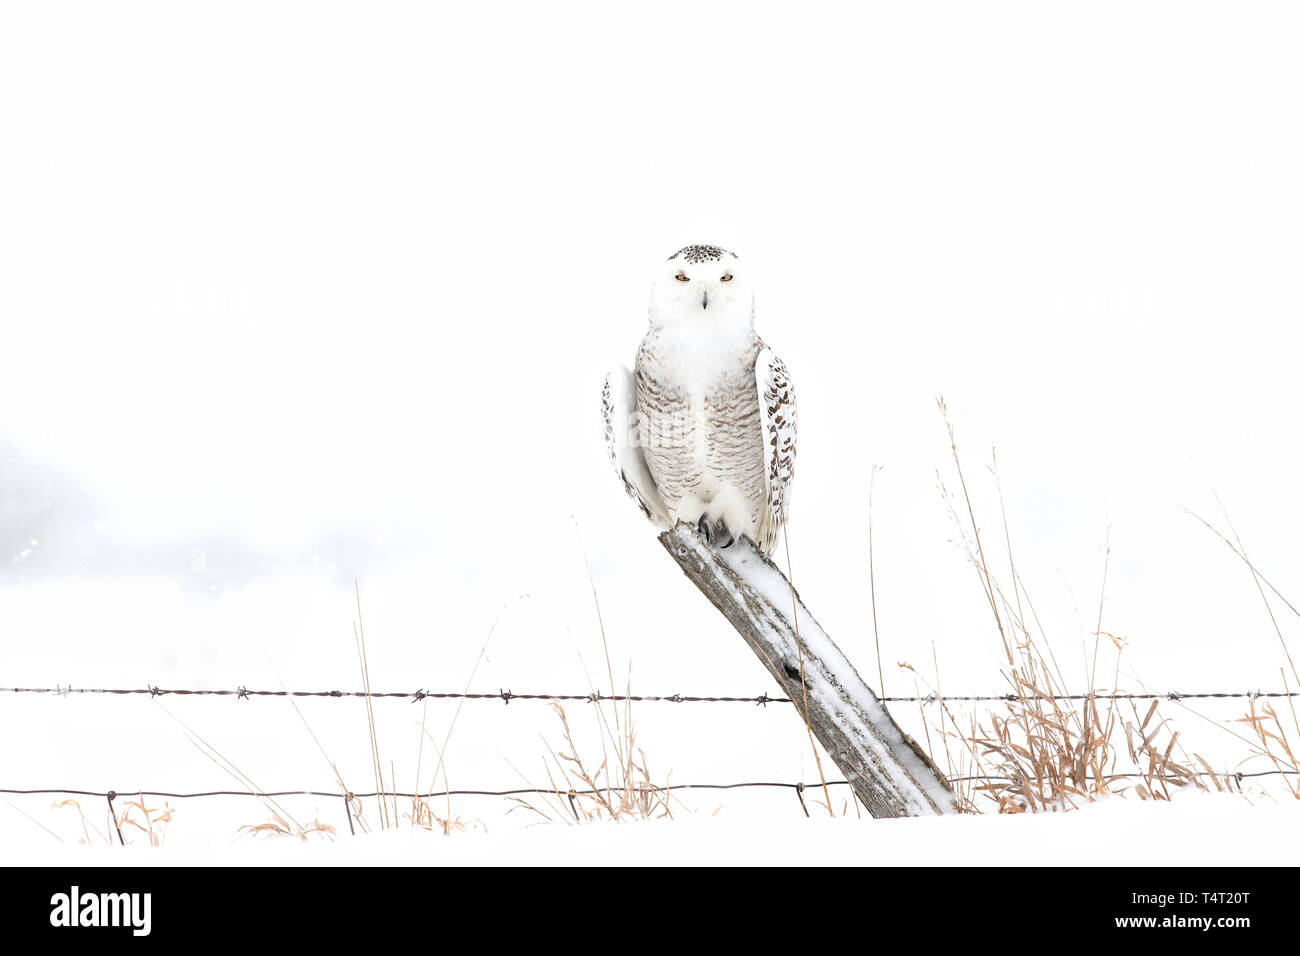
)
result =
(704, 285)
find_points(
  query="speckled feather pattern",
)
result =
(720, 421)
(780, 427)
(738, 430)
(695, 254)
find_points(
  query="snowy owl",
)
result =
(703, 431)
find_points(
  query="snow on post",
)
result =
(891, 775)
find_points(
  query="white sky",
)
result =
(291, 280)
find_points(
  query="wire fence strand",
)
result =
(506, 696)
(1238, 776)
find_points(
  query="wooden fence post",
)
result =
(891, 775)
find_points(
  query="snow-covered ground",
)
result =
(1192, 830)
(296, 297)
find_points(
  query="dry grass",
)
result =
(1273, 746)
(422, 816)
(278, 813)
(389, 814)
(135, 818)
(1042, 753)
(86, 826)
(618, 789)
(279, 827)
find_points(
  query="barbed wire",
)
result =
(503, 695)
(506, 696)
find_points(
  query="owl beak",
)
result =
(706, 298)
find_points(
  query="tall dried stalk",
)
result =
(621, 791)
(1043, 753)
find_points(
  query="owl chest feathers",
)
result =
(698, 413)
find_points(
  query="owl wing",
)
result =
(776, 407)
(618, 407)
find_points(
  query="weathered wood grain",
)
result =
(891, 775)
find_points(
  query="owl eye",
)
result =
(727, 277)
(682, 278)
